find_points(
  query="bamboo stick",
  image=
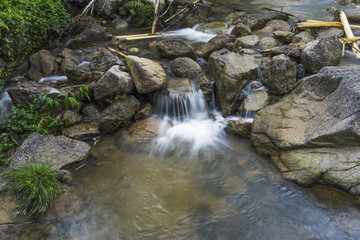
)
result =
(117, 52)
(182, 10)
(139, 36)
(349, 33)
(315, 23)
(354, 39)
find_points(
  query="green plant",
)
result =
(26, 24)
(83, 93)
(30, 119)
(143, 13)
(35, 186)
(6, 143)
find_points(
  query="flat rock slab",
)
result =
(55, 151)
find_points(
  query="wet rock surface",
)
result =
(240, 127)
(147, 74)
(232, 73)
(217, 43)
(174, 48)
(185, 67)
(113, 82)
(312, 134)
(279, 75)
(42, 64)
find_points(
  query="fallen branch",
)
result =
(349, 33)
(139, 36)
(90, 5)
(82, 165)
(315, 24)
(117, 52)
(182, 10)
(288, 14)
(156, 15)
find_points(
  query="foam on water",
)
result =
(191, 35)
(53, 78)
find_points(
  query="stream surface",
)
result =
(198, 182)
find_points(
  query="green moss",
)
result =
(35, 186)
(26, 24)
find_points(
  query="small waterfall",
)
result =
(5, 104)
(186, 125)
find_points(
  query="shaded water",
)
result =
(197, 182)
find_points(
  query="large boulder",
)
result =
(198, 15)
(259, 20)
(256, 101)
(173, 48)
(321, 53)
(42, 64)
(312, 135)
(216, 43)
(232, 72)
(279, 75)
(185, 67)
(113, 82)
(118, 114)
(26, 93)
(57, 152)
(147, 74)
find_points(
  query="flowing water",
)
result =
(196, 181)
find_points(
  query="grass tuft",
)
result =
(35, 186)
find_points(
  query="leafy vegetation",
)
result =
(142, 12)
(35, 186)
(26, 24)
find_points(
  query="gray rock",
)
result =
(240, 127)
(327, 32)
(345, 2)
(57, 152)
(303, 37)
(247, 41)
(321, 53)
(352, 13)
(232, 72)
(258, 21)
(71, 118)
(113, 82)
(288, 50)
(173, 48)
(82, 130)
(279, 75)
(256, 101)
(240, 30)
(213, 27)
(26, 93)
(216, 43)
(284, 36)
(275, 25)
(88, 36)
(268, 42)
(118, 114)
(104, 60)
(147, 74)
(312, 134)
(92, 112)
(42, 64)
(27, 230)
(185, 67)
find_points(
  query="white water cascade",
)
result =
(186, 124)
